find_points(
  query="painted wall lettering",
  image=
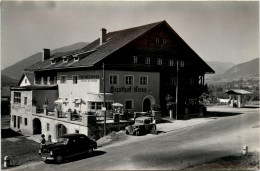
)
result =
(127, 89)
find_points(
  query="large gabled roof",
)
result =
(94, 52)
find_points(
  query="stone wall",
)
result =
(22, 110)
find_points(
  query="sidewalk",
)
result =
(181, 124)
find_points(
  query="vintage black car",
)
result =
(142, 125)
(68, 145)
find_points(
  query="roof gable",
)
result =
(29, 76)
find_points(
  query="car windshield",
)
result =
(63, 140)
(139, 121)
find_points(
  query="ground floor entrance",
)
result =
(37, 126)
(148, 101)
(61, 130)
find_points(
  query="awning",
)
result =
(99, 97)
(117, 105)
(79, 101)
(58, 101)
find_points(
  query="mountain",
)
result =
(15, 71)
(5, 80)
(218, 67)
(243, 70)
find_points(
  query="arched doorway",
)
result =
(146, 105)
(148, 101)
(37, 126)
(61, 130)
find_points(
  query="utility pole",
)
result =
(104, 91)
(177, 82)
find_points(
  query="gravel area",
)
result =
(112, 138)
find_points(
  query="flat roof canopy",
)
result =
(238, 92)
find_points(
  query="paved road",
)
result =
(175, 150)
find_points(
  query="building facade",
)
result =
(137, 67)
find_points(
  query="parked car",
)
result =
(142, 125)
(67, 146)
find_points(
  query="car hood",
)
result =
(138, 124)
(55, 145)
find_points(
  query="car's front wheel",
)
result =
(90, 151)
(59, 159)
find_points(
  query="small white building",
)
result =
(236, 97)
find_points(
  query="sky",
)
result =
(216, 31)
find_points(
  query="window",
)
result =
(75, 79)
(62, 79)
(191, 81)
(164, 41)
(143, 80)
(182, 64)
(159, 61)
(170, 62)
(65, 59)
(135, 59)
(96, 105)
(76, 59)
(53, 61)
(93, 105)
(25, 100)
(25, 121)
(147, 60)
(76, 131)
(128, 104)
(99, 105)
(76, 105)
(157, 41)
(109, 105)
(25, 81)
(14, 120)
(113, 79)
(17, 97)
(129, 80)
(48, 127)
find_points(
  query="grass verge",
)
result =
(20, 150)
(243, 162)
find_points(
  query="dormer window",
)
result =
(53, 61)
(65, 59)
(76, 59)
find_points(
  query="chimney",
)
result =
(46, 54)
(103, 37)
